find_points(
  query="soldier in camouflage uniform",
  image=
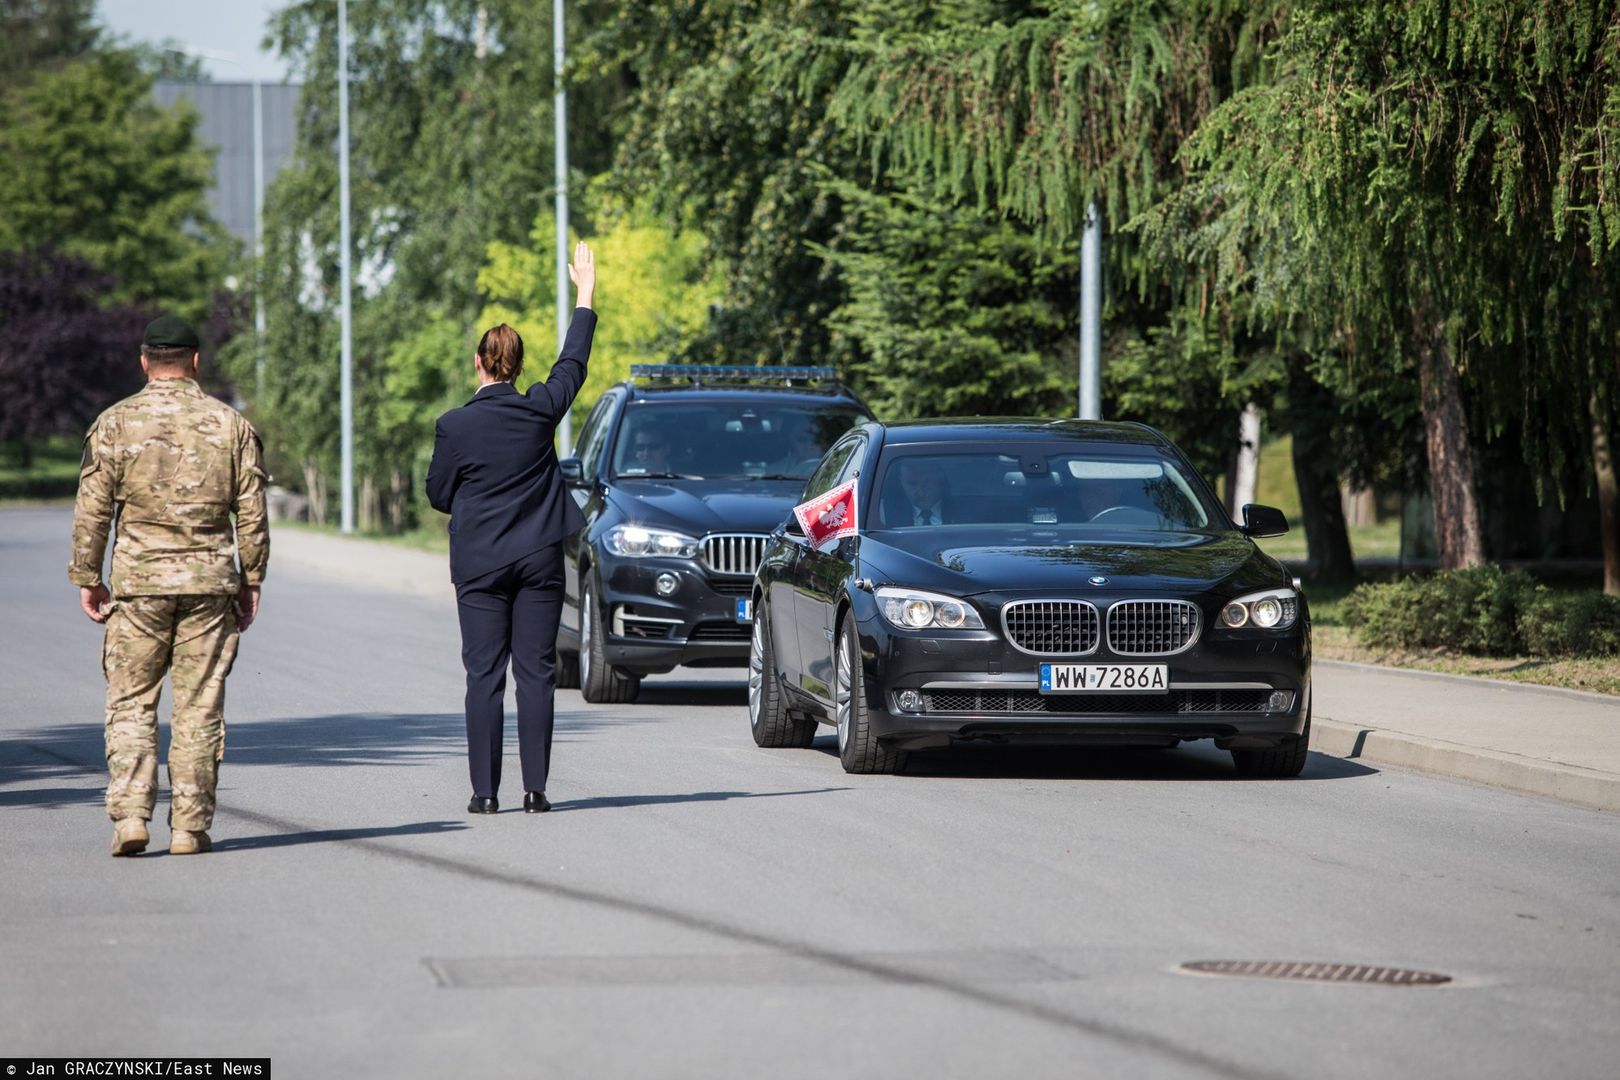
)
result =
(173, 465)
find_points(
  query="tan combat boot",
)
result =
(129, 836)
(189, 843)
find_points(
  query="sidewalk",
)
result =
(1564, 744)
(367, 563)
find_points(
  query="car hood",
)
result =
(706, 506)
(970, 561)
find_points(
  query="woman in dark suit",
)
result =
(494, 472)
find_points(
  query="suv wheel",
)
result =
(599, 681)
(567, 670)
(767, 712)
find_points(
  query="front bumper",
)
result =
(696, 626)
(973, 685)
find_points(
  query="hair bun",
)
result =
(501, 352)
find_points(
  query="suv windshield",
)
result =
(1041, 486)
(727, 439)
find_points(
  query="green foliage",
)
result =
(657, 294)
(1585, 624)
(1471, 611)
(90, 165)
(1484, 611)
(35, 33)
(951, 313)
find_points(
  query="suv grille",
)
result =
(1051, 627)
(738, 554)
(1152, 627)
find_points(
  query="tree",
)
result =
(951, 313)
(659, 294)
(1436, 181)
(34, 33)
(451, 135)
(91, 166)
(64, 356)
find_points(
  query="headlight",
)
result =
(638, 541)
(912, 609)
(1274, 610)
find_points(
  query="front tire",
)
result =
(767, 711)
(1282, 763)
(859, 750)
(600, 682)
(567, 670)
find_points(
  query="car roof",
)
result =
(1022, 429)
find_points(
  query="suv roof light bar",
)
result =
(700, 373)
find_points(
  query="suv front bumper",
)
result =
(696, 625)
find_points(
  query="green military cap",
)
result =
(170, 332)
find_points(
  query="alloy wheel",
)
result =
(843, 691)
(756, 670)
(585, 635)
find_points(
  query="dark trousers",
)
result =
(511, 614)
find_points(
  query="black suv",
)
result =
(682, 473)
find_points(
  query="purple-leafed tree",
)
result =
(64, 356)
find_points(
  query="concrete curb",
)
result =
(1555, 780)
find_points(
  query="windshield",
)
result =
(728, 440)
(1039, 486)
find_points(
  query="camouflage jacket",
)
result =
(172, 464)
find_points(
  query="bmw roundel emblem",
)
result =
(1097, 579)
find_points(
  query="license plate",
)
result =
(745, 611)
(1105, 679)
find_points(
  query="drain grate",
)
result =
(1309, 972)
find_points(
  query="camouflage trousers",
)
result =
(195, 638)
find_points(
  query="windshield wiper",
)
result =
(658, 476)
(775, 476)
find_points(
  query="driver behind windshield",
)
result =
(803, 450)
(649, 451)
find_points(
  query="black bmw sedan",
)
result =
(1062, 582)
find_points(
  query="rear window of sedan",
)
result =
(920, 487)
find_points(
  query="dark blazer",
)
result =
(494, 467)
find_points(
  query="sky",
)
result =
(223, 34)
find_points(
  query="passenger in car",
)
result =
(927, 495)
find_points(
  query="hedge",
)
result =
(1484, 611)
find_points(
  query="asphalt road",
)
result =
(699, 907)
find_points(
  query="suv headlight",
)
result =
(638, 541)
(913, 609)
(1274, 609)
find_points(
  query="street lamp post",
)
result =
(1091, 316)
(560, 115)
(258, 241)
(346, 393)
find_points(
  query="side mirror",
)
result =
(572, 471)
(1262, 521)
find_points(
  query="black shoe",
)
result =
(534, 802)
(481, 805)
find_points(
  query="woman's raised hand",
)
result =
(582, 271)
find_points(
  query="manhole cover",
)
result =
(1335, 973)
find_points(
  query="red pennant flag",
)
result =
(828, 516)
